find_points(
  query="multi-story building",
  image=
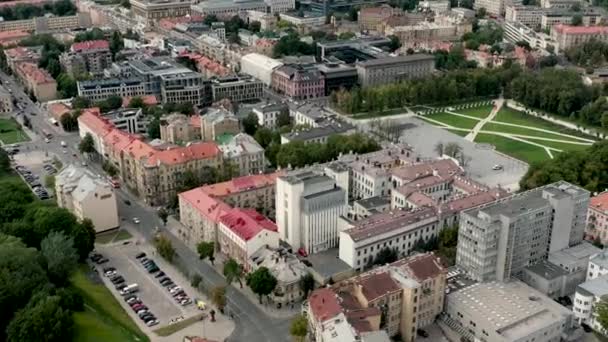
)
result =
(373, 18)
(507, 312)
(426, 32)
(492, 7)
(338, 76)
(242, 232)
(591, 16)
(22, 54)
(361, 241)
(212, 47)
(50, 24)
(131, 120)
(92, 56)
(298, 83)
(527, 15)
(394, 69)
(598, 266)
(200, 215)
(217, 123)
(319, 134)
(568, 36)
(6, 101)
(560, 4)
(304, 20)
(178, 128)
(515, 32)
(498, 240)
(281, 6)
(260, 67)
(597, 218)
(37, 81)
(308, 205)
(245, 153)
(227, 7)
(150, 11)
(587, 295)
(237, 88)
(99, 90)
(87, 196)
(268, 114)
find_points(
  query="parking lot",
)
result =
(151, 293)
(33, 167)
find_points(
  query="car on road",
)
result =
(586, 327)
(101, 261)
(152, 323)
(127, 202)
(47, 140)
(95, 256)
(497, 167)
(140, 255)
(136, 220)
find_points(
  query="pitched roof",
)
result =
(100, 126)
(422, 266)
(599, 202)
(34, 73)
(324, 304)
(206, 205)
(376, 285)
(194, 151)
(569, 29)
(241, 184)
(247, 223)
(90, 45)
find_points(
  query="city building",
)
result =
(87, 196)
(493, 7)
(515, 32)
(178, 128)
(298, 83)
(424, 33)
(304, 19)
(367, 207)
(587, 295)
(217, 123)
(200, 215)
(37, 81)
(560, 4)
(268, 114)
(237, 88)
(22, 54)
(327, 7)
(212, 47)
(382, 71)
(227, 7)
(498, 240)
(242, 232)
(373, 18)
(528, 15)
(48, 24)
(353, 50)
(131, 120)
(151, 11)
(259, 66)
(568, 36)
(6, 101)
(338, 76)
(507, 311)
(99, 90)
(591, 16)
(308, 205)
(280, 6)
(244, 153)
(91, 56)
(319, 134)
(597, 218)
(598, 266)
(247, 38)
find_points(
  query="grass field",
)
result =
(490, 126)
(509, 115)
(453, 120)
(11, 132)
(478, 112)
(514, 148)
(561, 146)
(104, 319)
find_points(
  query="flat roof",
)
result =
(547, 270)
(396, 60)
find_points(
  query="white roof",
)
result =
(261, 60)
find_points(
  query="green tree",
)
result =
(86, 145)
(263, 136)
(601, 310)
(283, 119)
(261, 282)
(5, 161)
(206, 250)
(125, 3)
(250, 124)
(577, 20)
(80, 102)
(116, 43)
(164, 247)
(137, 102)
(255, 26)
(395, 44)
(307, 284)
(452, 149)
(386, 256)
(299, 328)
(233, 271)
(346, 35)
(163, 215)
(109, 168)
(60, 256)
(154, 129)
(69, 123)
(83, 234)
(218, 297)
(114, 102)
(353, 14)
(44, 318)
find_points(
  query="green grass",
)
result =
(396, 111)
(104, 316)
(516, 149)
(113, 236)
(478, 112)
(559, 145)
(509, 115)
(453, 120)
(523, 131)
(11, 132)
(173, 328)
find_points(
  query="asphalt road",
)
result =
(252, 324)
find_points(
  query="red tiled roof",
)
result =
(422, 266)
(377, 285)
(58, 109)
(90, 45)
(21, 52)
(324, 304)
(149, 100)
(194, 151)
(443, 168)
(241, 184)
(247, 223)
(569, 29)
(90, 118)
(36, 74)
(195, 121)
(599, 202)
(206, 205)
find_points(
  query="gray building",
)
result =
(99, 90)
(130, 120)
(497, 241)
(508, 312)
(237, 88)
(394, 69)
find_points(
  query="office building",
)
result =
(87, 196)
(587, 295)
(151, 11)
(515, 32)
(528, 15)
(492, 7)
(244, 153)
(91, 56)
(325, 7)
(507, 312)
(298, 83)
(373, 18)
(387, 70)
(227, 7)
(6, 101)
(268, 114)
(259, 66)
(308, 205)
(591, 16)
(425, 33)
(567, 36)
(597, 218)
(99, 90)
(497, 241)
(338, 76)
(131, 120)
(560, 4)
(237, 88)
(22, 54)
(48, 24)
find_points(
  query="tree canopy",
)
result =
(261, 282)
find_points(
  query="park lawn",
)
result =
(388, 112)
(490, 126)
(452, 120)
(562, 146)
(11, 132)
(103, 313)
(458, 132)
(513, 116)
(481, 112)
(516, 149)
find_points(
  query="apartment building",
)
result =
(217, 123)
(361, 241)
(507, 312)
(200, 215)
(237, 88)
(91, 56)
(568, 36)
(281, 6)
(591, 16)
(244, 152)
(515, 32)
(498, 240)
(130, 120)
(48, 24)
(178, 128)
(99, 90)
(373, 18)
(87, 196)
(37, 81)
(387, 70)
(560, 4)
(260, 67)
(150, 11)
(597, 218)
(587, 295)
(308, 205)
(598, 265)
(22, 54)
(492, 7)
(298, 83)
(528, 15)
(268, 114)
(6, 101)
(426, 32)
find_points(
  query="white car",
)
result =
(497, 167)
(136, 220)
(47, 140)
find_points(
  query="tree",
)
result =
(233, 38)
(261, 282)
(109, 168)
(452, 149)
(116, 43)
(42, 318)
(206, 250)
(255, 26)
(577, 20)
(87, 145)
(5, 161)
(113, 102)
(601, 310)
(386, 256)
(250, 124)
(80, 102)
(137, 102)
(481, 13)
(299, 328)
(164, 247)
(125, 4)
(233, 271)
(154, 129)
(283, 119)
(68, 122)
(395, 44)
(346, 35)
(185, 108)
(163, 215)
(218, 297)
(83, 234)
(524, 44)
(196, 280)
(263, 136)
(439, 148)
(60, 256)
(307, 284)
(353, 14)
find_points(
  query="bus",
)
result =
(46, 134)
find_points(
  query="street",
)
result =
(252, 324)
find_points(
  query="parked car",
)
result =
(140, 255)
(101, 261)
(160, 274)
(152, 323)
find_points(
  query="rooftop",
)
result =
(239, 145)
(247, 223)
(597, 287)
(547, 270)
(80, 182)
(205, 204)
(388, 221)
(90, 45)
(599, 203)
(324, 304)
(569, 29)
(600, 259)
(396, 60)
(421, 266)
(574, 256)
(241, 184)
(374, 202)
(36, 74)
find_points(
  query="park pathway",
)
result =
(497, 106)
